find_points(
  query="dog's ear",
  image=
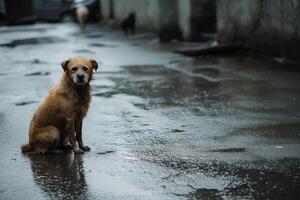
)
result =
(94, 64)
(64, 64)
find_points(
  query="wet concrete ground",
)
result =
(161, 126)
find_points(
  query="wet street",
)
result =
(160, 126)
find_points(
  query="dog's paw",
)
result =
(85, 148)
(78, 151)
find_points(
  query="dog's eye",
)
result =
(85, 68)
(74, 69)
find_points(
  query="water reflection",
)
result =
(60, 176)
(165, 87)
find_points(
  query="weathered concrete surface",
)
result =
(161, 126)
(196, 17)
(179, 19)
(267, 26)
(147, 12)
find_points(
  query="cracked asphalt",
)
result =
(160, 126)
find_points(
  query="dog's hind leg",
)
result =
(46, 139)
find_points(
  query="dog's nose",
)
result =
(80, 76)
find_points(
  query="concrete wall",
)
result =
(196, 17)
(147, 12)
(203, 17)
(182, 19)
(271, 26)
(168, 20)
(105, 10)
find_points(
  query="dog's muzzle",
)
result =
(80, 79)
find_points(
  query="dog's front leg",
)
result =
(70, 128)
(78, 129)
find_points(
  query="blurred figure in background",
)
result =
(82, 13)
(128, 24)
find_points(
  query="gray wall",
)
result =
(196, 17)
(269, 26)
(175, 18)
(184, 18)
(147, 12)
(203, 17)
(168, 20)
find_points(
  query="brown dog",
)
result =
(60, 116)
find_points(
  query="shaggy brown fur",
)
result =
(59, 118)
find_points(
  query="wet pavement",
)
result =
(160, 126)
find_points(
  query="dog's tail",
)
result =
(26, 148)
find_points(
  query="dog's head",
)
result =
(80, 69)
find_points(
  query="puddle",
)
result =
(146, 35)
(33, 61)
(145, 124)
(33, 41)
(59, 176)
(289, 130)
(176, 130)
(142, 106)
(24, 103)
(84, 51)
(260, 179)
(94, 35)
(100, 45)
(206, 71)
(38, 74)
(175, 61)
(203, 193)
(163, 86)
(38, 61)
(135, 44)
(31, 29)
(229, 150)
(105, 94)
(105, 152)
